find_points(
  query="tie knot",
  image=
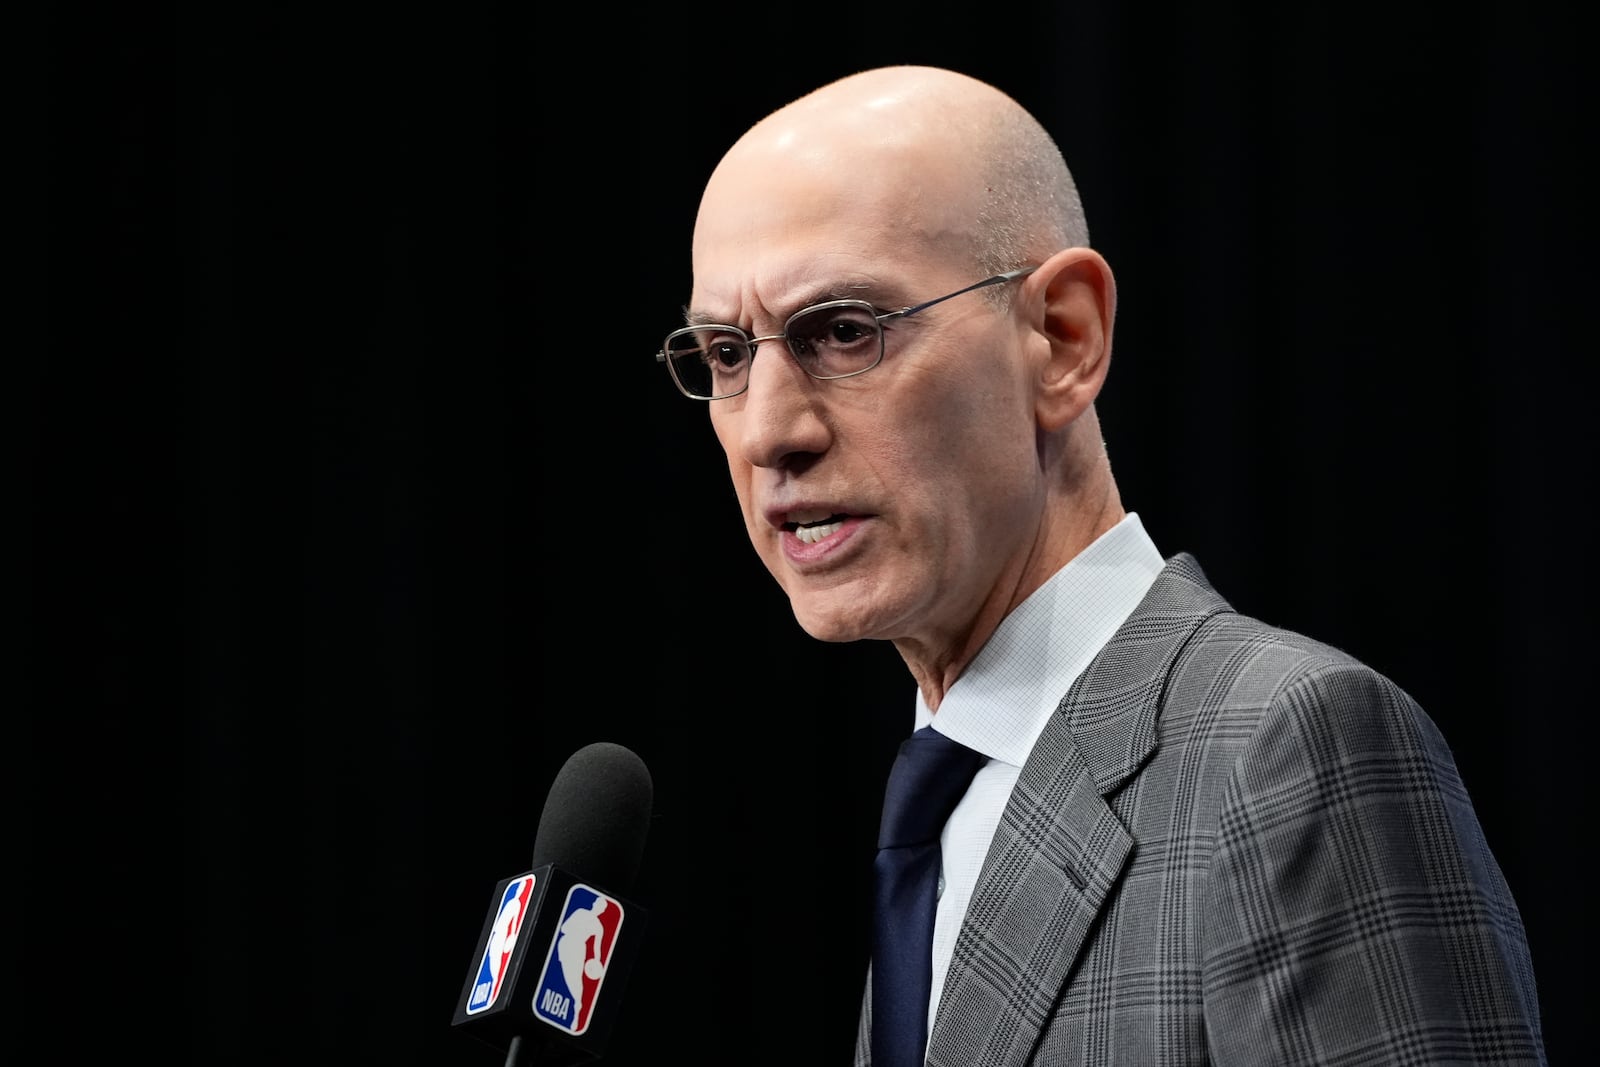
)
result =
(928, 777)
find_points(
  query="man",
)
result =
(1193, 838)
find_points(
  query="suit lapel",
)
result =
(1059, 848)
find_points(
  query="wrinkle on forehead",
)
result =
(763, 299)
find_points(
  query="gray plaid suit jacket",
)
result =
(1235, 845)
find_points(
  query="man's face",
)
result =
(893, 505)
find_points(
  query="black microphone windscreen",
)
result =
(597, 815)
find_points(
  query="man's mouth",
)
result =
(813, 530)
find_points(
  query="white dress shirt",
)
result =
(1002, 701)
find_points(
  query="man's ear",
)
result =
(1073, 314)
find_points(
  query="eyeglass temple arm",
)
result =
(998, 279)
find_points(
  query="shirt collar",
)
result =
(1001, 702)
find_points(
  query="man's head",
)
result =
(922, 499)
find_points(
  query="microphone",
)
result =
(547, 974)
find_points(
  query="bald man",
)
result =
(1193, 837)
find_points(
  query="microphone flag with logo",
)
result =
(554, 953)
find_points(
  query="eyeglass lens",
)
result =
(831, 340)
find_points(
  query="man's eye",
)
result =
(836, 328)
(726, 354)
(845, 331)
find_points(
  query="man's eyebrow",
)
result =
(701, 318)
(834, 291)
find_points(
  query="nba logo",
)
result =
(502, 941)
(579, 955)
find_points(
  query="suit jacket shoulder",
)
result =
(1236, 844)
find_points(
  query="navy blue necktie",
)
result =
(929, 776)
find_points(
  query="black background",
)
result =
(356, 502)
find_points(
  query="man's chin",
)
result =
(834, 622)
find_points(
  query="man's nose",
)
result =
(781, 417)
